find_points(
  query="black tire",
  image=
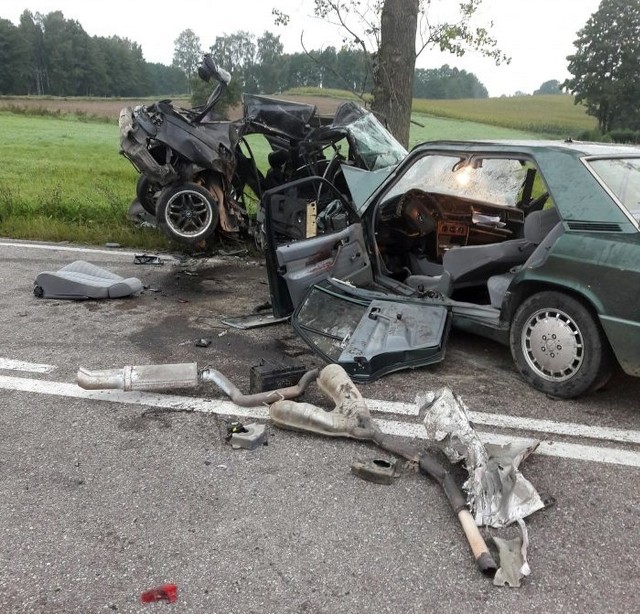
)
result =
(187, 213)
(38, 292)
(558, 345)
(146, 192)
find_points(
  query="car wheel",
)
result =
(146, 192)
(558, 346)
(187, 212)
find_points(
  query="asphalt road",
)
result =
(103, 496)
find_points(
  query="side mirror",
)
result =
(209, 69)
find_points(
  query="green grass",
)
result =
(546, 115)
(62, 179)
(556, 115)
(431, 128)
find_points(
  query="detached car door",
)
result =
(323, 274)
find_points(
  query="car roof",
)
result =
(533, 147)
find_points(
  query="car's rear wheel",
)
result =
(187, 212)
(558, 345)
(146, 191)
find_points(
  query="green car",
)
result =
(534, 244)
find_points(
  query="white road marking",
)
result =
(19, 365)
(517, 422)
(547, 447)
(393, 407)
(88, 250)
(223, 407)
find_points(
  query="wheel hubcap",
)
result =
(553, 345)
(188, 214)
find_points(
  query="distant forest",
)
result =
(48, 55)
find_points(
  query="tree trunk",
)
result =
(395, 65)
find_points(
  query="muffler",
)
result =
(144, 377)
(183, 375)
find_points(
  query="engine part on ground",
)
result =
(351, 418)
(247, 436)
(269, 375)
(497, 492)
(183, 375)
(377, 470)
(513, 558)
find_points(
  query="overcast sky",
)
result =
(537, 34)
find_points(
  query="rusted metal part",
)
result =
(377, 470)
(143, 377)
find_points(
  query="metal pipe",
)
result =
(260, 398)
(143, 377)
(184, 375)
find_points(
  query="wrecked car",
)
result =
(195, 168)
(533, 244)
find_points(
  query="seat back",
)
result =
(474, 264)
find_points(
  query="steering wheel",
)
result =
(330, 174)
(426, 198)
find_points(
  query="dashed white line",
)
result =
(19, 365)
(223, 407)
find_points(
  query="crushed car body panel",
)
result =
(370, 338)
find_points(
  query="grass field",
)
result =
(62, 177)
(552, 115)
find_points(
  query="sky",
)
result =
(538, 35)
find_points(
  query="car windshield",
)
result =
(493, 180)
(374, 144)
(622, 177)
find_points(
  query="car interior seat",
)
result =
(83, 280)
(498, 285)
(472, 265)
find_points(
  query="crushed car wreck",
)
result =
(195, 168)
(533, 244)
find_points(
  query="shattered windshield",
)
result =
(492, 180)
(374, 143)
(622, 177)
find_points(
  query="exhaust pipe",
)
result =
(144, 377)
(183, 375)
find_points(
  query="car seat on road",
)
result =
(83, 280)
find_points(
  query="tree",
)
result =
(552, 87)
(606, 65)
(447, 83)
(393, 33)
(236, 53)
(13, 50)
(187, 52)
(269, 70)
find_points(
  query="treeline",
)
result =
(51, 55)
(54, 56)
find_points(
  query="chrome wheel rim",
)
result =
(188, 213)
(553, 345)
